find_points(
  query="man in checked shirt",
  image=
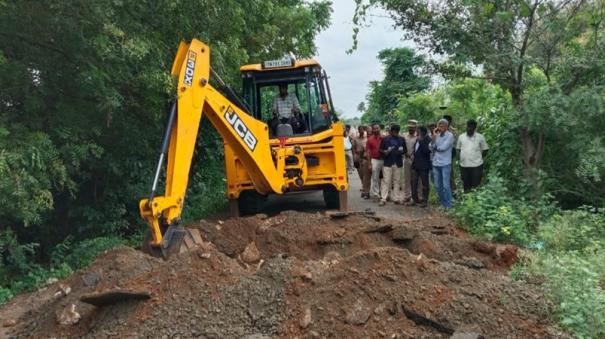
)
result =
(285, 105)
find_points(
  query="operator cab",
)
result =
(291, 96)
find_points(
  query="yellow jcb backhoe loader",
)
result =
(264, 153)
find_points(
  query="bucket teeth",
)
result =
(178, 239)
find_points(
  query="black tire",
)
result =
(250, 202)
(146, 245)
(331, 198)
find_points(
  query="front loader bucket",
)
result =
(176, 240)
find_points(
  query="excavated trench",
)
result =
(305, 275)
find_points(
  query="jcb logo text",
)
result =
(240, 128)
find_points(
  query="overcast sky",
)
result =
(351, 74)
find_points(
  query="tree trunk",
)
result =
(533, 149)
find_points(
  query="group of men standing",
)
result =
(397, 167)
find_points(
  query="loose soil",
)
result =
(305, 275)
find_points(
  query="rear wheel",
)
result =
(250, 202)
(331, 198)
(335, 199)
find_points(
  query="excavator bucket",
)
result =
(176, 240)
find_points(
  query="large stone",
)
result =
(91, 279)
(69, 316)
(359, 314)
(306, 319)
(9, 323)
(251, 254)
(404, 233)
(470, 262)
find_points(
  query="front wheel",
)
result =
(250, 202)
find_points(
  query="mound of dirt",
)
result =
(300, 275)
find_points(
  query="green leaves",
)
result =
(403, 76)
(493, 212)
(84, 88)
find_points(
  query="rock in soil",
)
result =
(359, 314)
(306, 319)
(251, 255)
(9, 323)
(69, 316)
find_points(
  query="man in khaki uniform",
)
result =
(361, 161)
(410, 140)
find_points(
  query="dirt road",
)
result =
(400, 273)
(313, 202)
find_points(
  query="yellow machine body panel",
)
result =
(327, 147)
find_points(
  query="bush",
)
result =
(19, 272)
(572, 283)
(575, 230)
(491, 212)
(86, 251)
(5, 295)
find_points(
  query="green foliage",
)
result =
(84, 88)
(5, 295)
(540, 107)
(570, 262)
(22, 273)
(19, 271)
(572, 282)
(207, 185)
(575, 230)
(30, 169)
(540, 52)
(494, 213)
(85, 251)
(572, 268)
(402, 77)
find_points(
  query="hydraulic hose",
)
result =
(164, 150)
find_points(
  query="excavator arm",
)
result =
(248, 137)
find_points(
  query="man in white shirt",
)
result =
(285, 105)
(472, 147)
(348, 149)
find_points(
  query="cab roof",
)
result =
(297, 64)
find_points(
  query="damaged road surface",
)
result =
(296, 274)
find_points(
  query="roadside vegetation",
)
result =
(538, 96)
(84, 89)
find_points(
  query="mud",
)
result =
(303, 275)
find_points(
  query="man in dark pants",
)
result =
(472, 148)
(421, 164)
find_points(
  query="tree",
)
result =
(402, 76)
(83, 90)
(361, 107)
(507, 39)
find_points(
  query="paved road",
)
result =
(313, 201)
